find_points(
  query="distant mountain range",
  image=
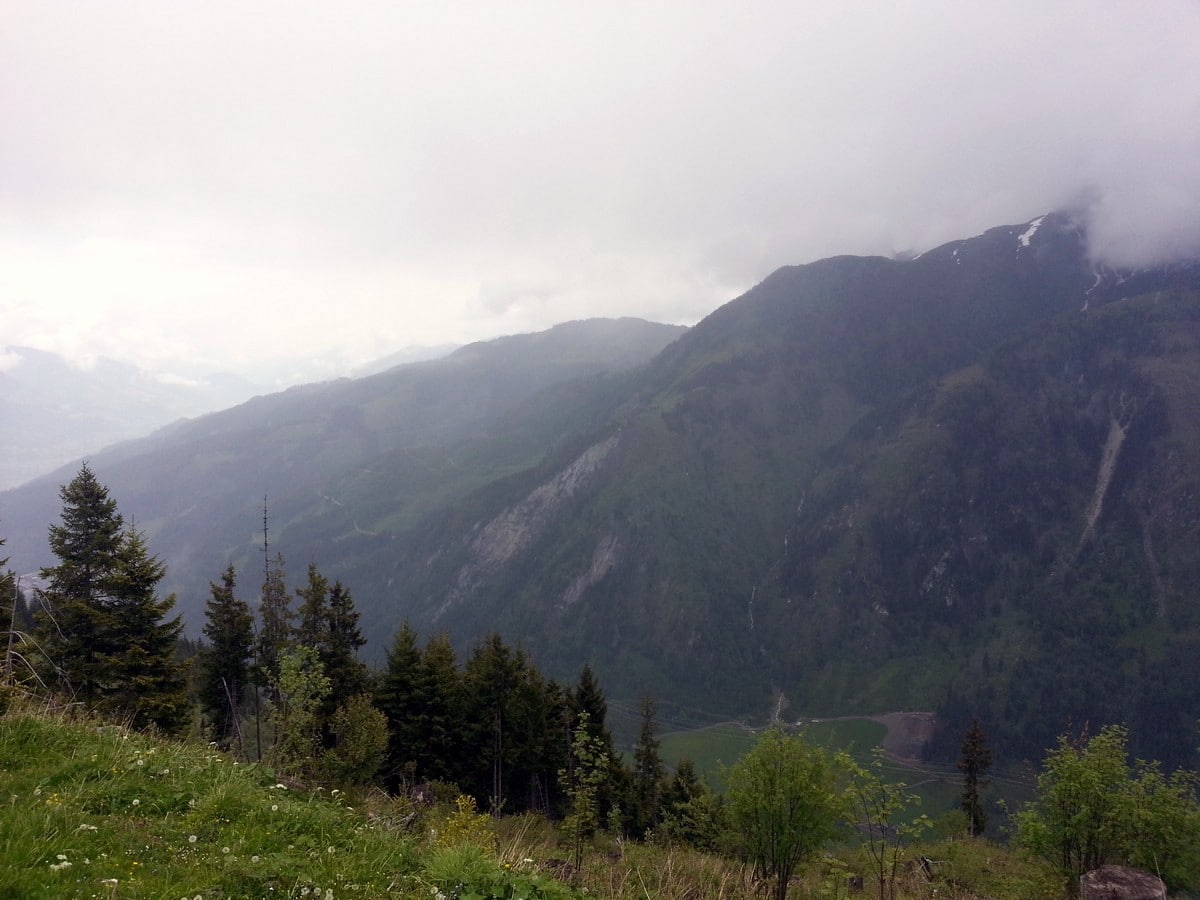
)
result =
(52, 411)
(965, 481)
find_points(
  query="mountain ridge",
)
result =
(866, 484)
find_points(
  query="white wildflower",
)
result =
(137, 802)
(192, 839)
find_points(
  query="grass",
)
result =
(99, 811)
(92, 810)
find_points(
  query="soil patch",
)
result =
(907, 734)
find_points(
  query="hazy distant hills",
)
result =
(965, 481)
(336, 459)
(52, 411)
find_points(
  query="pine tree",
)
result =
(149, 683)
(275, 629)
(225, 663)
(404, 697)
(648, 772)
(312, 612)
(340, 642)
(102, 623)
(974, 762)
(444, 706)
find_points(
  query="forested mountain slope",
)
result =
(965, 481)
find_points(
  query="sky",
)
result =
(298, 188)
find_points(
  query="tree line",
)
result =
(283, 684)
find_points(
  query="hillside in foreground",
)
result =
(96, 810)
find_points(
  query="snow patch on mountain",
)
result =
(1027, 236)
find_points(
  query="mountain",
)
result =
(963, 481)
(338, 459)
(52, 411)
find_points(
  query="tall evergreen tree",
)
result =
(101, 621)
(225, 663)
(648, 771)
(149, 682)
(340, 642)
(311, 629)
(444, 705)
(974, 762)
(275, 624)
(403, 697)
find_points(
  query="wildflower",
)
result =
(274, 807)
(255, 859)
(137, 802)
(141, 762)
(224, 849)
(191, 839)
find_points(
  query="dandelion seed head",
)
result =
(192, 839)
(224, 849)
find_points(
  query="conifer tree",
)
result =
(404, 697)
(225, 663)
(340, 642)
(312, 612)
(101, 621)
(648, 771)
(275, 624)
(589, 698)
(974, 762)
(443, 710)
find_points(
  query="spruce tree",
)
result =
(648, 771)
(340, 642)
(310, 630)
(974, 762)
(101, 622)
(225, 663)
(149, 684)
(275, 628)
(404, 697)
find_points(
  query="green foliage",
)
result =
(649, 772)
(466, 872)
(103, 628)
(465, 825)
(300, 688)
(586, 773)
(879, 807)
(136, 817)
(225, 662)
(974, 762)
(360, 736)
(784, 805)
(1094, 808)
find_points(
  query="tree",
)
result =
(225, 663)
(648, 771)
(581, 780)
(101, 621)
(876, 807)
(975, 760)
(148, 683)
(360, 735)
(301, 687)
(275, 615)
(783, 801)
(1093, 808)
(340, 642)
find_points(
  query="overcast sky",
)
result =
(223, 184)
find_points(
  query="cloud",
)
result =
(228, 183)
